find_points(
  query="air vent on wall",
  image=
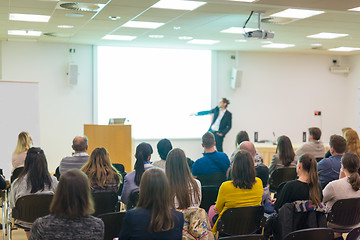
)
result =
(54, 34)
(84, 7)
(277, 20)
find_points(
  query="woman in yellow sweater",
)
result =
(243, 190)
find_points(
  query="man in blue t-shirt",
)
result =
(213, 161)
(329, 168)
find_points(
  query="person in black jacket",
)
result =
(2, 182)
(221, 122)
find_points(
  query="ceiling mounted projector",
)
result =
(259, 33)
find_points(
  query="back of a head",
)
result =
(164, 146)
(351, 162)
(143, 152)
(24, 142)
(338, 143)
(309, 164)
(36, 169)
(99, 168)
(352, 141)
(315, 133)
(248, 146)
(241, 137)
(343, 130)
(208, 140)
(80, 144)
(154, 194)
(72, 198)
(285, 150)
(243, 170)
(182, 183)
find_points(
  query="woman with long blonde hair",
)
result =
(352, 141)
(102, 175)
(23, 144)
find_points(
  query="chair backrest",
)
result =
(16, 173)
(345, 212)
(241, 220)
(112, 222)
(354, 234)
(30, 207)
(133, 199)
(209, 196)
(212, 179)
(281, 175)
(105, 202)
(312, 233)
(244, 237)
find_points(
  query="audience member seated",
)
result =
(132, 179)
(347, 186)
(285, 156)
(79, 158)
(154, 216)
(164, 146)
(352, 142)
(35, 178)
(70, 212)
(102, 174)
(314, 146)
(243, 136)
(185, 190)
(244, 189)
(343, 131)
(306, 187)
(213, 161)
(23, 144)
(329, 168)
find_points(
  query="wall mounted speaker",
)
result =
(236, 76)
(73, 74)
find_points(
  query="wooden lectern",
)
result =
(115, 138)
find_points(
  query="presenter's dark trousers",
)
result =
(219, 142)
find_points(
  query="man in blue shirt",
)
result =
(329, 168)
(213, 161)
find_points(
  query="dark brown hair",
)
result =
(243, 170)
(285, 150)
(100, 170)
(208, 140)
(36, 170)
(338, 143)
(164, 146)
(182, 184)
(72, 198)
(226, 101)
(241, 137)
(315, 132)
(143, 152)
(351, 162)
(154, 194)
(309, 164)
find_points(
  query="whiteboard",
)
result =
(19, 111)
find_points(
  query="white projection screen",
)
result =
(155, 89)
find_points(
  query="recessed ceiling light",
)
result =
(156, 36)
(344, 49)
(119, 37)
(240, 40)
(140, 24)
(278, 45)
(114, 18)
(203, 41)
(238, 30)
(176, 28)
(185, 38)
(178, 4)
(266, 42)
(75, 15)
(316, 45)
(24, 33)
(28, 17)
(296, 13)
(354, 9)
(65, 26)
(326, 35)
